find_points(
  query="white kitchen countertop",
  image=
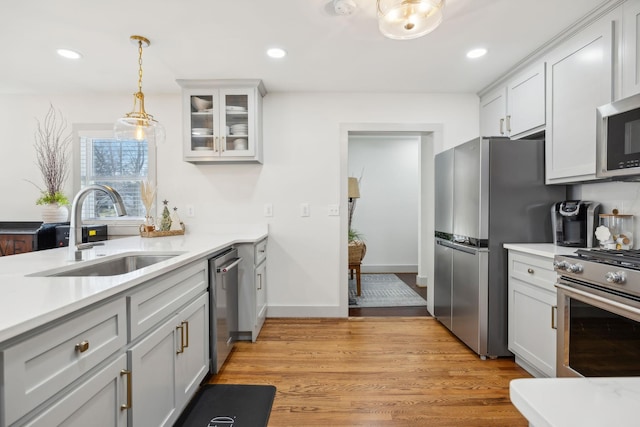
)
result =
(27, 302)
(584, 402)
(548, 250)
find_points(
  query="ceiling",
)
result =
(220, 39)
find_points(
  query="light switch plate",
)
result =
(305, 210)
(268, 209)
(334, 210)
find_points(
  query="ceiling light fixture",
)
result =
(344, 7)
(69, 54)
(138, 124)
(276, 52)
(409, 19)
(476, 53)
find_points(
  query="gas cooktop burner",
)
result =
(628, 257)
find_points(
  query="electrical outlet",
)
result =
(334, 210)
(304, 209)
(268, 209)
(191, 211)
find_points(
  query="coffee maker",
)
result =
(574, 223)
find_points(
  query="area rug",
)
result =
(217, 405)
(383, 290)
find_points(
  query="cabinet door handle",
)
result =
(181, 350)
(509, 124)
(222, 144)
(501, 126)
(554, 309)
(82, 346)
(215, 144)
(186, 326)
(530, 270)
(128, 404)
(259, 281)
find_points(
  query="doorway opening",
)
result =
(395, 211)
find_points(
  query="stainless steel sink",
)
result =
(111, 266)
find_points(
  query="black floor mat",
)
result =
(227, 405)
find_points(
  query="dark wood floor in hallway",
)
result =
(374, 371)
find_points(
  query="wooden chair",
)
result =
(356, 254)
(356, 268)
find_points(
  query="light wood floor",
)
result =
(374, 371)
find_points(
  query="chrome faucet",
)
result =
(75, 228)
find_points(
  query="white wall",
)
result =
(303, 155)
(387, 212)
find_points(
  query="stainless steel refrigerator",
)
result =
(489, 191)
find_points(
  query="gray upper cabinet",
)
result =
(517, 108)
(222, 120)
(630, 48)
(579, 81)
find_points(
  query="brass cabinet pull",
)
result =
(501, 126)
(553, 317)
(186, 325)
(222, 144)
(509, 124)
(259, 281)
(82, 346)
(530, 270)
(128, 404)
(181, 350)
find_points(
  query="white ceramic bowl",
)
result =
(201, 104)
(240, 144)
(202, 131)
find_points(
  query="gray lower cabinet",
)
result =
(168, 365)
(95, 402)
(37, 368)
(135, 359)
(252, 292)
(532, 313)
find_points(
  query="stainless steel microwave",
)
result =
(618, 139)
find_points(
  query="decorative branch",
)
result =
(52, 155)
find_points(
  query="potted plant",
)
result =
(52, 157)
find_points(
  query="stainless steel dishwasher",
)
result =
(223, 294)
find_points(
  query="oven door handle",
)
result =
(596, 300)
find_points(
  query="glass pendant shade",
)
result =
(138, 124)
(409, 19)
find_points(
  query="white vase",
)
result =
(54, 213)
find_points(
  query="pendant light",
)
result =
(138, 124)
(409, 19)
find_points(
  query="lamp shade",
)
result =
(409, 19)
(354, 188)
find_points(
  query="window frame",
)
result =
(116, 225)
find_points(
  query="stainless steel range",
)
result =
(598, 313)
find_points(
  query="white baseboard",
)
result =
(364, 268)
(304, 311)
(421, 281)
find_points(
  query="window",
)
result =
(100, 159)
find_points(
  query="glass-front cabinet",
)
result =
(222, 120)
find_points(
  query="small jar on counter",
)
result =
(615, 231)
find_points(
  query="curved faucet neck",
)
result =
(75, 226)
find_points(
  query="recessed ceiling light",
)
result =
(476, 53)
(276, 52)
(69, 54)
